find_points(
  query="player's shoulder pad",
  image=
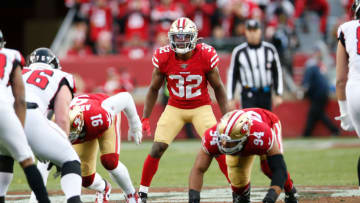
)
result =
(69, 78)
(161, 55)
(209, 54)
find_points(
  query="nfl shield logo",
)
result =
(184, 66)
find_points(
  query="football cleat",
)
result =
(104, 197)
(132, 198)
(243, 198)
(142, 197)
(291, 197)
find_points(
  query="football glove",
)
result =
(135, 134)
(346, 123)
(146, 126)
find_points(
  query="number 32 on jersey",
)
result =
(186, 90)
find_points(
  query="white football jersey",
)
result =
(7, 59)
(42, 83)
(349, 35)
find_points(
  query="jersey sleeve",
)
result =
(71, 82)
(160, 56)
(260, 139)
(210, 56)
(19, 59)
(340, 35)
(209, 142)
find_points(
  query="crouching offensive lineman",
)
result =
(242, 134)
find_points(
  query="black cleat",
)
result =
(291, 197)
(142, 197)
(243, 198)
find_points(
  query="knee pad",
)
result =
(88, 180)
(6, 164)
(71, 167)
(110, 161)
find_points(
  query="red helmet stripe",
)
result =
(183, 23)
(232, 122)
(178, 23)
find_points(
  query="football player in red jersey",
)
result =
(95, 122)
(242, 134)
(187, 67)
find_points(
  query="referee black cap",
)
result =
(252, 24)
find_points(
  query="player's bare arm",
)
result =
(61, 108)
(18, 91)
(215, 81)
(278, 168)
(151, 97)
(341, 71)
(202, 163)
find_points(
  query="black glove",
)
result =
(271, 196)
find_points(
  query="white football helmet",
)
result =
(183, 35)
(233, 131)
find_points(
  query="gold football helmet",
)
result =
(233, 130)
(183, 35)
(76, 122)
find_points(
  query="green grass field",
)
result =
(311, 162)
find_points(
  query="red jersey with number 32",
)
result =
(186, 80)
(96, 119)
(264, 129)
(42, 83)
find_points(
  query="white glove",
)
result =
(135, 133)
(346, 123)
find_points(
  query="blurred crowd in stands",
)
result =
(134, 28)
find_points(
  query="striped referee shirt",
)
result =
(255, 67)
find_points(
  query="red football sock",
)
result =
(288, 184)
(265, 168)
(149, 169)
(222, 164)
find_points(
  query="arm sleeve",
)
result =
(122, 102)
(278, 169)
(277, 73)
(233, 74)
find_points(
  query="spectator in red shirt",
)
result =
(240, 11)
(165, 13)
(100, 18)
(321, 7)
(201, 12)
(79, 48)
(137, 19)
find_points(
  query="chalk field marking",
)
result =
(207, 195)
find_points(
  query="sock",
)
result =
(75, 199)
(358, 170)
(149, 169)
(71, 185)
(2, 199)
(43, 169)
(121, 176)
(143, 189)
(240, 190)
(36, 183)
(98, 183)
(222, 164)
(5, 180)
(288, 184)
